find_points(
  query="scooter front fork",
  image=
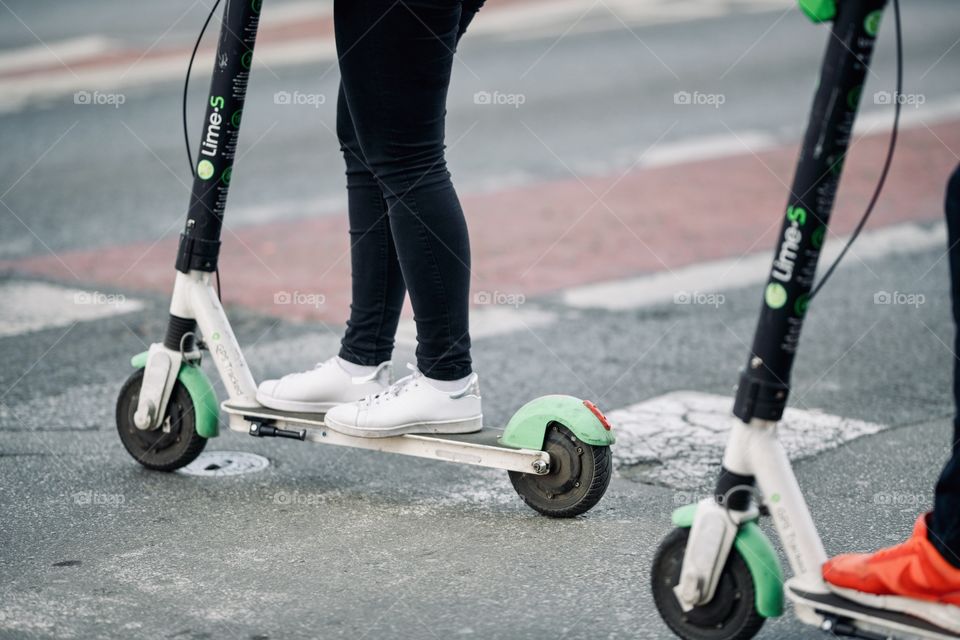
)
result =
(194, 306)
(754, 456)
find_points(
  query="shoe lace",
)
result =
(397, 388)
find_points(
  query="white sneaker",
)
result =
(410, 405)
(322, 388)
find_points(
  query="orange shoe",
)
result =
(911, 578)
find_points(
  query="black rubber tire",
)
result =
(155, 449)
(731, 615)
(558, 494)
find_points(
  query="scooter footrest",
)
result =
(866, 621)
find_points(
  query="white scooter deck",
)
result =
(878, 622)
(481, 449)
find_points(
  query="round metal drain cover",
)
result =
(225, 463)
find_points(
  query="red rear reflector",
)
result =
(596, 411)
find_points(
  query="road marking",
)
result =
(733, 273)
(677, 439)
(34, 306)
(54, 53)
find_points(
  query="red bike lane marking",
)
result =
(544, 237)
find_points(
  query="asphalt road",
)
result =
(329, 543)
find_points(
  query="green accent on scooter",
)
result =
(528, 426)
(819, 10)
(205, 406)
(757, 551)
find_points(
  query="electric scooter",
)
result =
(556, 448)
(717, 576)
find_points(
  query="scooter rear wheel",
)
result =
(172, 446)
(731, 615)
(578, 477)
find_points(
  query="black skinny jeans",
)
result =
(407, 229)
(944, 524)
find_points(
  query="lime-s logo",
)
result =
(872, 23)
(790, 245)
(211, 140)
(797, 214)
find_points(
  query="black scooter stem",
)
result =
(200, 241)
(765, 382)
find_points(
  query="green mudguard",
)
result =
(528, 426)
(205, 406)
(761, 558)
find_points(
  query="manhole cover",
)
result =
(225, 463)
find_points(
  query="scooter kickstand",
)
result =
(263, 430)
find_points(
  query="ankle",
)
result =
(357, 370)
(450, 386)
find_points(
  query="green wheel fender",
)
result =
(204, 398)
(757, 551)
(819, 10)
(528, 426)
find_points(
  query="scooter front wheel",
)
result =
(731, 615)
(171, 446)
(578, 477)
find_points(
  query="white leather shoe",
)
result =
(410, 405)
(322, 388)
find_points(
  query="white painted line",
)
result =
(34, 306)
(709, 147)
(54, 53)
(732, 273)
(681, 435)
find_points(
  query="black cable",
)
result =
(886, 163)
(186, 87)
(186, 84)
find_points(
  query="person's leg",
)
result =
(944, 524)
(377, 283)
(395, 61)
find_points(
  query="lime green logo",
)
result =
(775, 295)
(872, 23)
(797, 214)
(800, 306)
(226, 175)
(853, 97)
(205, 169)
(235, 118)
(246, 59)
(817, 237)
(256, 5)
(215, 336)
